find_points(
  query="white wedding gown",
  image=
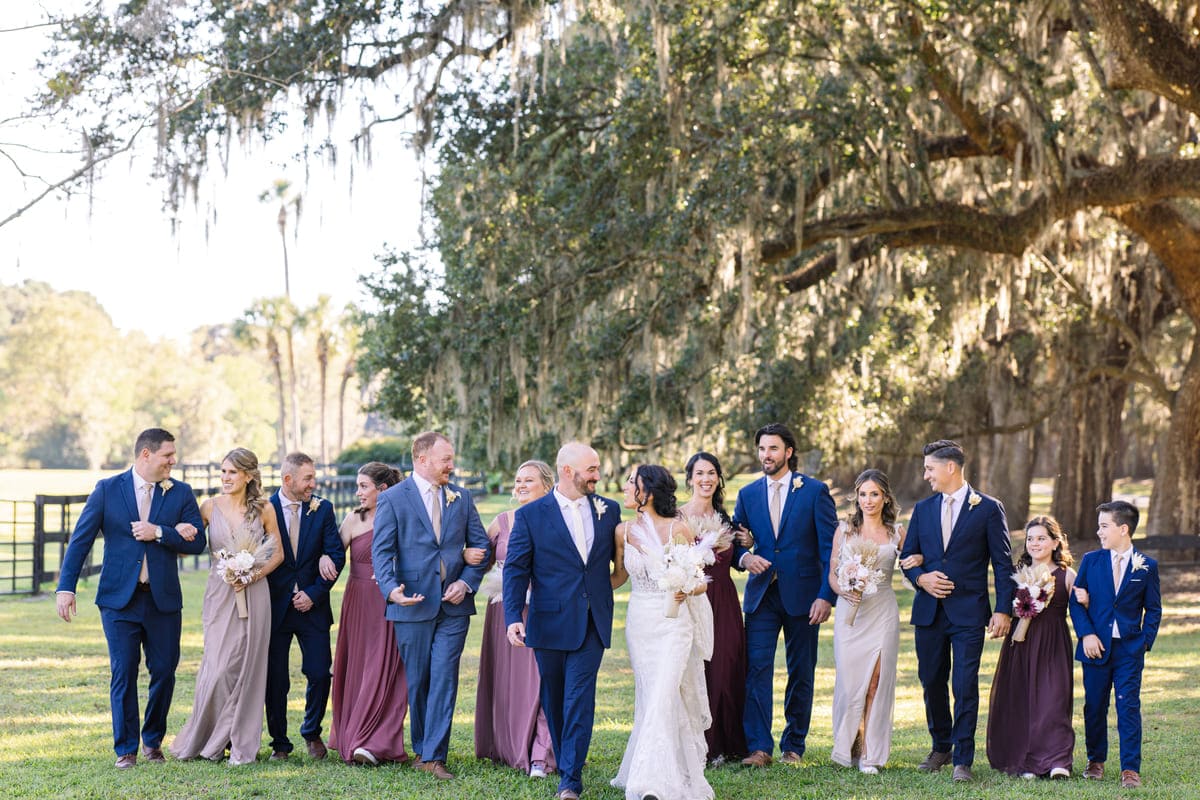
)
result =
(666, 750)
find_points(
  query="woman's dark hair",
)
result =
(1062, 551)
(656, 483)
(718, 498)
(783, 432)
(379, 474)
(891, 509)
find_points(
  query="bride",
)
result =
(664, 759)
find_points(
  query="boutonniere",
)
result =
(313, 505)
(797, 482)
(973, 499)
(599, 505)
(1138, 562)
(166, 485)
(451, 496)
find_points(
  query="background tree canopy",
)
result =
(657, 225)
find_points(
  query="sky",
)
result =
(118, 244)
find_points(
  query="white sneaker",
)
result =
(362, 755)
(867, 769)
(1060, 773)
(1028, 776)
(537, 770)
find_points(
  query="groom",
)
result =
(561, 550)
(147, 520)
(957, 531)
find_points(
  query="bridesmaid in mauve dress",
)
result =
(227, 712)
(369, 691)
(1029, 729)
(510, 727)
(725, 673)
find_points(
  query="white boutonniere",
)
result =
(166, 485)
(797, 482)
(451, 496)
(1138, 562)
(599, 505)
(313, 505)
(973, 499)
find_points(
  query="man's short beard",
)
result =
(581, 484)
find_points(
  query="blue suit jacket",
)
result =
(404, 550)
(564, 589)
(1137, 607)
(980, 534)
(800, 555)
(318, 536)
(111, 508)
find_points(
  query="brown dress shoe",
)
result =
(279, 755)
(127, 761)
(759, 758)
(1130, 779)
(934, 761)
(316, 749)
(437, 769)
(1095, 770)
(154, 755)
(791, 757)
(962, 773)
(566, 794)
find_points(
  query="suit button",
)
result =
(776, 549)
(585, 597)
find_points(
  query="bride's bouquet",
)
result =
(858, 570)
(1035, 587)
(682, 570)
(247, 552)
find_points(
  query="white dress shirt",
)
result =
(585, 514)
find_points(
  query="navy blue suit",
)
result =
(318, 536)
(781, 598)
(136, 617)
(432, 633)
(570, 617)
(1137, 610)
(949, 632)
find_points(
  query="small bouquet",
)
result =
(858, 570)
(492, 585)
(711, 524)
(683, 570)
(247, 552)
(1035, 587)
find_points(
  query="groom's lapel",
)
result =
(789, 502)
(555, 513)
(127, 494)
(963, 520)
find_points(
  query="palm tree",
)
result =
(258, 327)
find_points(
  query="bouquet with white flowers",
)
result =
(858, 570)
(676, 566)
(1035, 587)
(247, 551)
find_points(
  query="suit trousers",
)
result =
(129, 630)
(1122, 670)
(316, 662)
(569, 701)
(800, 645)
(948, 653)
(431, 651)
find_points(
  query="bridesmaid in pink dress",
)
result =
(510, 727)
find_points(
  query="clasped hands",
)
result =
(148, 531)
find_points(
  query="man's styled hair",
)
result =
(783, 432)
(296, 460)
(151, 439)
(1123, 513)
(422, 442)
(945, 450)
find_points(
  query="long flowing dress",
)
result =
(369, 690)
(873, 640)
(666, 749)
(725, 674)
(510, 726)
(1029, 713)
(228, 707)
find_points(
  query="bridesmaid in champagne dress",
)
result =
(369, 690)
(725, 672)
(227, 713)
(510, 727)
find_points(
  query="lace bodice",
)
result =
(637, 564)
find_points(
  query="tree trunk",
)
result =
(347, 374)
(276, 362)
(1005, 460)
(291, 357)
(323, 361)
(1175, 504)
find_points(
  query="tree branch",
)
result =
(1151, 52)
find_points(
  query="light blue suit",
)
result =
(431, 633)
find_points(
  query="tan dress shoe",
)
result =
(437, 769)
(962, 773)
(791, 757)
(127, 761)
(566, 794)
(279, 755)
(1130, 779)
(1094, 770)
(316, 749)
(759, 758)
(934, 761)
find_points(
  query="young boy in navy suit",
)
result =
(1116, 609)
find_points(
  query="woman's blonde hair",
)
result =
(244, 460)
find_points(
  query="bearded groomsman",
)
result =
(793, 519)
(313, 556)
(957, 531)
(424, 527)
(147, 521)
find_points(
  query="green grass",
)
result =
(56, 737)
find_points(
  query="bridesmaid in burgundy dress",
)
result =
(510, 727)
(1029, 729)
(725, 674)
(370, 693)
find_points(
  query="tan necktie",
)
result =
(776, 503)
(947, 520)
(435, 516)
(577, 532)
(293, 526)
(1118, 572)
(144, 515)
